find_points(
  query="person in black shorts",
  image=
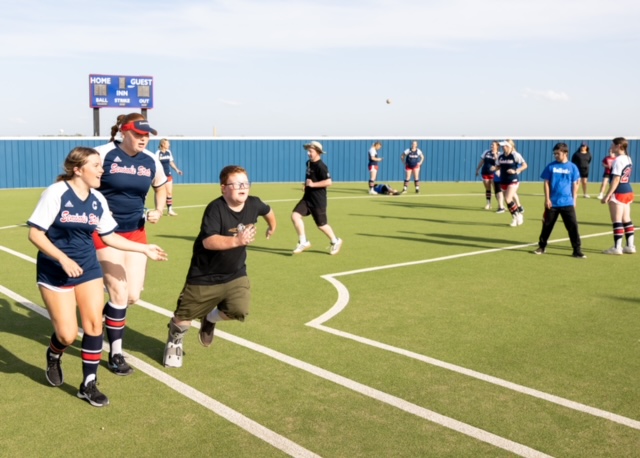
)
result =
(217, 287)
(582, 159)
(314, 200)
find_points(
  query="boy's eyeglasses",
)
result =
(242, 185)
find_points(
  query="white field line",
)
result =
(236, 418)
(12, 227)
(343, 301)
(447, 422)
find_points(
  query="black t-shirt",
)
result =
(316, 197)
(581, 160)
(211, 267)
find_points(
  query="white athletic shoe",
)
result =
(519, 219)
(587, 196)
(372, 192)
(172, 213)
(514, 221)
(301, 247)
(613, 250)
(600, 196)
(487, 207)
(335, 247)
(629, 250)
(172, 355)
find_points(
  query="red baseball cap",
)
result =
(142, 127)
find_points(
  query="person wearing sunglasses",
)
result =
(217, 286)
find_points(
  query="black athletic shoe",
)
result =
(92, 394)
(579, 254)
(539, 251)
(119, 366)
(205, 336)
(54, 370)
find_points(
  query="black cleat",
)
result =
(54, 370)
(205, 336)
(92, 395)
(119, 366)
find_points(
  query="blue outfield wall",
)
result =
(35, 162)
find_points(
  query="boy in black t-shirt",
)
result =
(217, 287)
(314, 200)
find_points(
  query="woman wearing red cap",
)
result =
(129, 171)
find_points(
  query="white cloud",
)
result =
(553, 96)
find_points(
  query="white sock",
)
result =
(214, 316)
(116, 347)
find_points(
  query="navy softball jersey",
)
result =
(69, 222)
(126, 182)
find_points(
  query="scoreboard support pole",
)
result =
(96, 122)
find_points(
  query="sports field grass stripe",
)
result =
(282, 443)
(411, 196)
(394, 401)
(343, 301)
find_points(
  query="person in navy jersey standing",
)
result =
(412, 159)
(486, 168)
(619, 197)
(165, 157)
(129, 171)
(68, 272)
(561, 179)
(373, 161)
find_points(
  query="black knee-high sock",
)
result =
(56, 348)
(629, 232)
(91, 355)
(618, 232)
(115, 320)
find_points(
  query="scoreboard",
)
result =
(111, 91)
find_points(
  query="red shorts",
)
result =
(625, 198)
(373, 167)
(504, 187)
(408, 169)
(487, 177)
(139, 236)
(169, 178)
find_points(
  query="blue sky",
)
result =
(494, 68)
